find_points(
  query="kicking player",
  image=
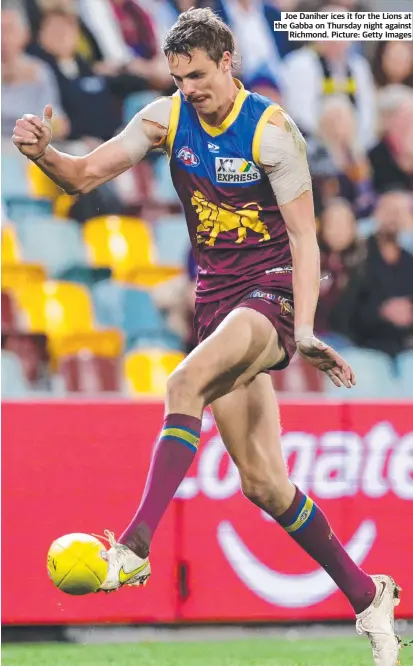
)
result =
(238, 163)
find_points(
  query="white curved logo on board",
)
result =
(288, 590)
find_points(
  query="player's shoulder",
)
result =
(158, 110)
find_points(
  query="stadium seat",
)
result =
(13, 272)
(13, 276)
(64, 311)
(13, 382)
(56, 307)
(86, 373)
(172, 241)
(120, 243)
(147, 370)
(164, 189)
(40, 184)
(55, 243)
(32, 351)
(127, 308)
(86, 275)
(8, 313)
(405, 371)
(14, 172)
(150, 276)
(11, 252)
(24, 208)
(374, 373)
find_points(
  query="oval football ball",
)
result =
(77, 563)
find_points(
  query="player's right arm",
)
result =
(80, 175)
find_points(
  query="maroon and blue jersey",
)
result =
(236, 229)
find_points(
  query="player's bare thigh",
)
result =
(249, 423)
(242, 345)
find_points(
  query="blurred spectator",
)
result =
(393, 63)
(340, 251)
(263, 84)
(28, 84)
(125, 34)
(377, 305)
(398, 205)
(392, 158)
(261, 48)
(87, 46)
(315, 72)
(338, 164)
(85, 97)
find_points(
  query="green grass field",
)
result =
(256, 652)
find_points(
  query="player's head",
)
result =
(199, 48)
(14, 33)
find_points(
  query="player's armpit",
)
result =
(283, 156)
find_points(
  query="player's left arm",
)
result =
(283, 156)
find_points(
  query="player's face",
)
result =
(203, 81)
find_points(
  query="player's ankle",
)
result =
(138, 541)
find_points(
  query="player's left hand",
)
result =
(326, 359)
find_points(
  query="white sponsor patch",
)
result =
(235, 170)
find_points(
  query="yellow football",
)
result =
(77, 563)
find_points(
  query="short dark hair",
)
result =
(199, 29)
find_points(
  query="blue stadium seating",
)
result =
(135, 102)
(127, 308)
(172, 241)
(164, 189)
(405, 371)
(375, 376)
(57, 244)
(13, 382)
(14, 175)
(23, 208)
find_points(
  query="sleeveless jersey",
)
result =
(236, 229)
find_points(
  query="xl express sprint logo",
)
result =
(235, 170)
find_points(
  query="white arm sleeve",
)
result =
(135, 137)
(283, 155)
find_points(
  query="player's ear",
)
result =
(226, 61)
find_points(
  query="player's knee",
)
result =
(181, 385)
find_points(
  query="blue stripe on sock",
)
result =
(181, 441)
(300, 508)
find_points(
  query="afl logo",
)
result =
(188, 157)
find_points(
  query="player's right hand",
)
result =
(325, 358)
(32, 135)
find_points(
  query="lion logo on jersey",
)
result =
(216, 220)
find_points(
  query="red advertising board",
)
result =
(74, 466)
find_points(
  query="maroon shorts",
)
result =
(276, 306)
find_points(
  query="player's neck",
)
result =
(217, 118)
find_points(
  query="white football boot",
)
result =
(125, 568)
(377, 622)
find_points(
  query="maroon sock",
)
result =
(171, 460)
(309, 527)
